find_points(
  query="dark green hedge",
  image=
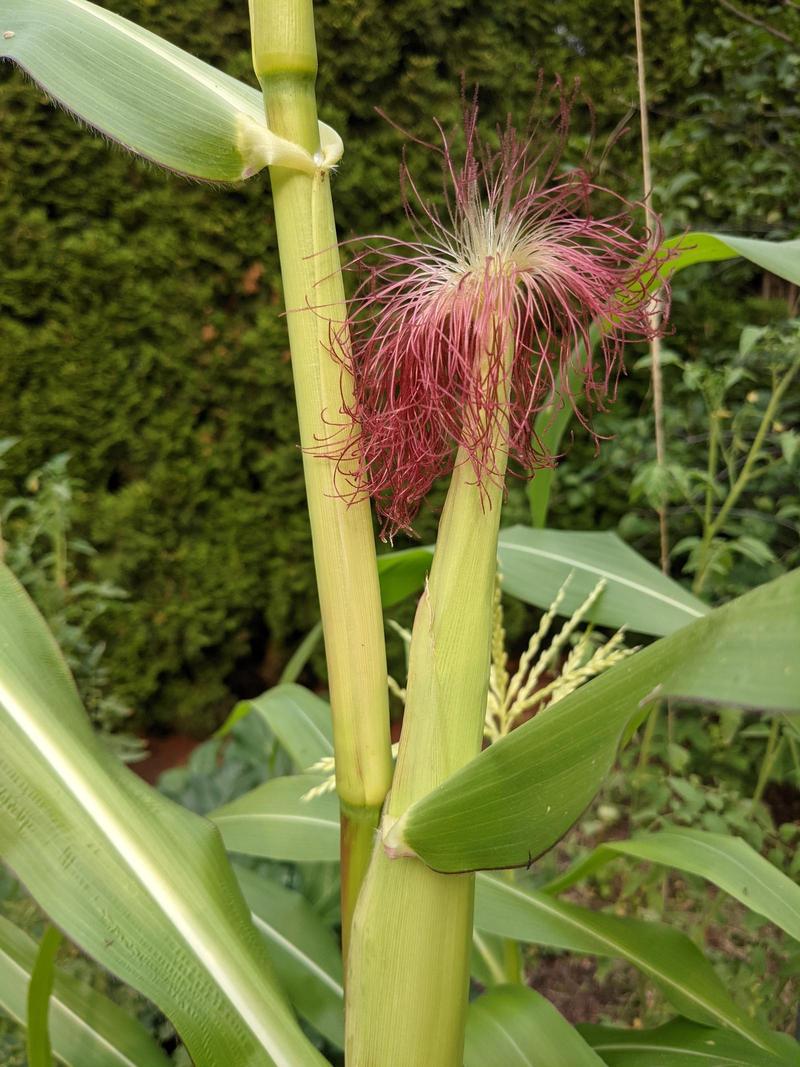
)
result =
(140, 314)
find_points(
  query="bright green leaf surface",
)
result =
(139, 883)
(535, 563)
(86, 1028)
(521, 794)
(679, 1044)
(300, 720)
(303, 950)
(517, 1027)
(728, 862)
(402, 573)
(666, 956)
(274, 821)
(133, 86)
(39, 989)
(778, 257)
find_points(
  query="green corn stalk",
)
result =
(285, 62)
(412, 932)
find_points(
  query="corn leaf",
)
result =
(534, 564)
(86, 1028)
(778, 257)
(138, 89)
(521, 794)
(679, 1043)
(665, 955)
(137, 882)
(517, 1027)
(303, 950)
(402, 573)
(40, 987)
(728, 862)
(300, 720)
(275, 822)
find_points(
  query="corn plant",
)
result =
(462, 353)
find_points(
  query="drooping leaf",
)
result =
(139, 883)
(535, 563)
(86, 1028)
(517, 1027)
(778, 257)
(728, 862)
(665, 955)
(679, 1043)
(40, 987)
(138, 89)
(402, 573)
(521, 794)
(273, 821)
(300, 720)
(303, 950)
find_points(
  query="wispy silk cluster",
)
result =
(461, 336)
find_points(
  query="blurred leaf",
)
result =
(300, 720)
(778, 257)
(666, 956)
(729, 862)
(273, 821)
(402, 573)
(86, 1028)
(138, 89)
(303, 950)
(517, 798)
(140, 884)
(40, 987)
(679, 1043)
(535, 563)
(517, 1027)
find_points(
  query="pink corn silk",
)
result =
(460, 337)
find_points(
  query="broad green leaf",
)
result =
(517, 1027)
(40, 987)
(778, 257)
(302, 654)
(300, 720)
(138, 89)
(521, 794)
(402, 573)
(137, 882)
(275, 822)
(86, 1028)
(679, 1043)
(534, 564)
(666, 956)
(728, 862)
(303, 950)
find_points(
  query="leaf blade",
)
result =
(535, 563)
(521, 794)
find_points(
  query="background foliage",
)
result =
(140, 312)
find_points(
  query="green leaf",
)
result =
(303, 950)
(521, 794)
(778, 257)
(516, 1027)
(549, 428)
(402, 573)
(666, 956)
(39, 989)
(299, 720)
(136, 88)
(728, 862)
(86, 1028)
(273, 821)
(679, 1043)
(535, 563)
(137, 882)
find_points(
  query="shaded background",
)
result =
(140, 314)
